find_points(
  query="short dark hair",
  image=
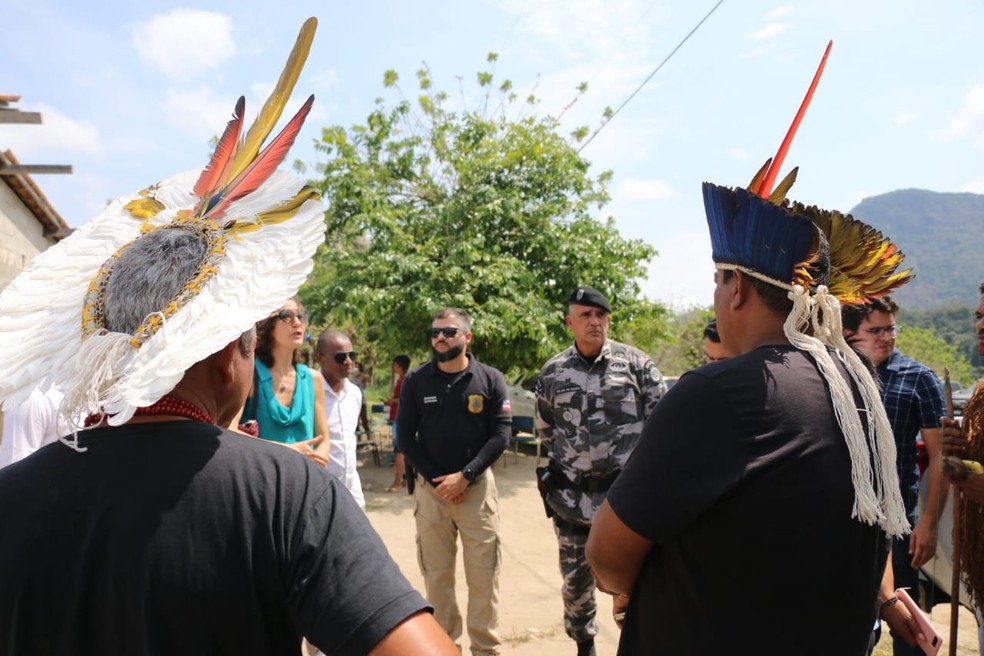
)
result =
(853, 315)
(403, 361)
(463, 317)
(711, 331)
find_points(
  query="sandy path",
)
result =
(530, 608)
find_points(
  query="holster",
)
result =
(546, 480)
(410, 475)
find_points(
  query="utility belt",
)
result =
(570, 527)
(557, 481)
(550, 478)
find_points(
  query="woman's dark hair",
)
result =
(264, 336)
(403, 361)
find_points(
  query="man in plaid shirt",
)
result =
(913, 398)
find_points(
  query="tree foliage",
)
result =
(925, 346)
(683, 348)
(429, 206)
(954, 323)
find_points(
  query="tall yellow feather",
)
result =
(274, 105)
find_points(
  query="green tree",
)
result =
(954, 323)
(927, 347)
(683, 349)
(429, 206)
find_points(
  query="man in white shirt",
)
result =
(343, 401)
(31, 425)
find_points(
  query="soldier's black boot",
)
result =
(586, 647)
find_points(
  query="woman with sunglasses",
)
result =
(288, 398)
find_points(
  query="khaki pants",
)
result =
(476, 519)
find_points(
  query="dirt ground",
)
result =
(530, 608)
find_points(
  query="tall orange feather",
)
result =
(766, 188)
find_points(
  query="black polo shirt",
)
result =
(447, 422)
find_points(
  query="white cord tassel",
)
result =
(869, 504)
(881, 439)
(88, 376)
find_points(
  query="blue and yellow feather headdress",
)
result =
(816, 255)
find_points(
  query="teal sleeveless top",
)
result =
(277, 423)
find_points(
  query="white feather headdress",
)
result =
(261, 228)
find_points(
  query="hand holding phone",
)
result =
(931, 640)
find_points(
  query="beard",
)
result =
(450, 354)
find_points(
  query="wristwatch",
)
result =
(469, 474)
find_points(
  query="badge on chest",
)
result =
(476, 403)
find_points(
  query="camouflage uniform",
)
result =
(589, 417)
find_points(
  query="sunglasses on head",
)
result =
(447, 332)
(288, 316)
(340, 357)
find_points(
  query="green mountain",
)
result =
(942, 236)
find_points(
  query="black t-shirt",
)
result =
(742, 479)
(446, 422)
(183, 538)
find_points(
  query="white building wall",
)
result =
(21, 235)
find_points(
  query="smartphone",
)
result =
(932, 641)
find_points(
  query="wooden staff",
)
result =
(955, 554)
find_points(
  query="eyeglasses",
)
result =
(888, 331)
(287, 316)
(447, 332)
(340, 357)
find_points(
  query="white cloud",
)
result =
(770, 31)
(57, 136)
(326, 79)
(974, 187)
(969, 121)
(634, 189)
(760, 51)
(201, 113)
(592, 25)
(903, 119)
(683, 274)
(185, 42)
(778, 12)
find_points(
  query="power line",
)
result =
(655, 71)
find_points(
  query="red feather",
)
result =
(770, 177)
(213, 175)
(263, 166)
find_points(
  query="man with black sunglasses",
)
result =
(913, 398)
(343, 403)
(453, 421)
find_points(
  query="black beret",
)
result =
(589, 296)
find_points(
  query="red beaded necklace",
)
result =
(167, 405)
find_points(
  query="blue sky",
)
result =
(131, 92)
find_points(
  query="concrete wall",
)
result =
(21, 235)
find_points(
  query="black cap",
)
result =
(589, 296)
